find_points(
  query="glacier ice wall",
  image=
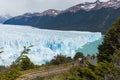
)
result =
(47, 43)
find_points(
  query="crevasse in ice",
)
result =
(47, 43)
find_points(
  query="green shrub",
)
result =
(26, 64)
(60, 59)
(10, 74)
(78, 55)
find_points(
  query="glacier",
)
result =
(46, 43)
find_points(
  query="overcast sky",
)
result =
(17, 7)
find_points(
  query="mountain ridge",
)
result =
(4, 18)
(90, 16)
(82, 6)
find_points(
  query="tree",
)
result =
(23, 61)
(1, 51)
(116, 58)
(26, 64)
(78, 55)
(23, 54)
(80, 73)
(111, 43)
(60, 59)
(106, 70)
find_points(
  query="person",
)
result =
(92, 57)
(73, 62)
(80, 61)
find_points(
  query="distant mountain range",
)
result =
(88, 16)
(4, 18)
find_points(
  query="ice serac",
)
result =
(47, 43)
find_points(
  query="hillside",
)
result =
(96, 17)
(4, 18)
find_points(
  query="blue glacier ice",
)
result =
(47, 43)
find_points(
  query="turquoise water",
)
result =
(90, 48)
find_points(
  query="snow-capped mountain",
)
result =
(115, 4)
(50, 12)
(46, 43)
(4, 18)
(84, 6)
(94, 5)
(112, 3)
(89, 16)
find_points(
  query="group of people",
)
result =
(82, 60)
